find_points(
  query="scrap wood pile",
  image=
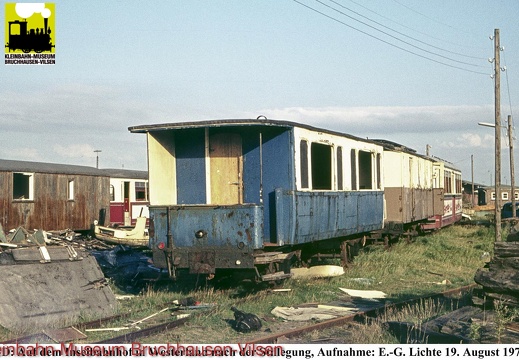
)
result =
(23, 238)
(500, 280)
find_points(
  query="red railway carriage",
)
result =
(447, 195)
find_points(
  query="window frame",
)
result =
(30, 187)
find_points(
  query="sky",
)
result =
(416, 72)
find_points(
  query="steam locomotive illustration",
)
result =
(27, 40)
(256, 196)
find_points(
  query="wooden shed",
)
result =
(52, 196)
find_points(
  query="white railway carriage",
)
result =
(128, 195)
(408, 189)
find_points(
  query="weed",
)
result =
(503, 316)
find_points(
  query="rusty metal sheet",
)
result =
(65, 334)
(45, 295)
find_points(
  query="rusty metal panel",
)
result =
(206, 226)
(310, 216)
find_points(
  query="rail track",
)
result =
(274, 338)
(361, 317)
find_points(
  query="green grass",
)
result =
(430, 264)
(433, 263)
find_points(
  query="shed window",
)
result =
(321, 166)
(504, 196)
(23, 186)
(70, 190)
(365, 170)
(303, 149)
(340, 185)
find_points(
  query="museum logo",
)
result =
(29, 34)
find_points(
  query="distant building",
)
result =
(469, 198)
(58, 196)
(487, 195)
(51, 196)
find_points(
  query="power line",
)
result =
(412, 29)
(396, 38)
(387, 42)
(425, 16)
(409, 37)
(508, 86)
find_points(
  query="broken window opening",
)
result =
(23, 186)
(303, 149)
(353, 159)
(379, 166)
(365, 170)
(321, 166)
(340, 185)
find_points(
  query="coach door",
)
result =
(225, 154)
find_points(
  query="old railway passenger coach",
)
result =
(254, 195)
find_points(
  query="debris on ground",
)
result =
(319, 312)
(245, 322)
(134, 237)
(320, 271)
(500, 278)
(129, 269)
(365, 294)
(467, 325)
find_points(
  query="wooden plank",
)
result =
(56, 253)
(506, 249)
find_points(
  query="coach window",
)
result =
(353, 158)
(447, 182)
(321, 166)
(303, 149)
(365, 170)
(379, 182)
(340, 185)
(23, 186)
(459, 185)
(141, 191)
(112, 193)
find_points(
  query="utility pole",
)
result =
(497, 95)
(512, 171)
